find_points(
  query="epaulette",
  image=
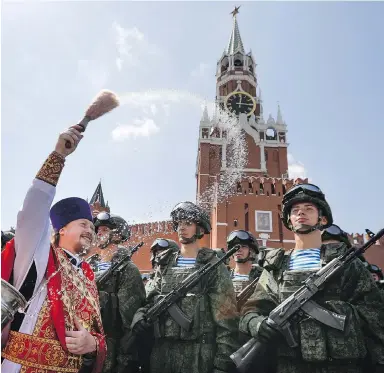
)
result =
(273, 259)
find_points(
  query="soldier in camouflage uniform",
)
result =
(121, 296)
(246, 270)
(360, 347)
(161, 249)
(206, 345)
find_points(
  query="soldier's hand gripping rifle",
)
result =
(117, 266)
(298, 304)
(168, 302)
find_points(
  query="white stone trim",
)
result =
(228, 78)
(274, 144)
(260, 229)
(213, 140)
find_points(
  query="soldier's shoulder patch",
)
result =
(273, 259)
(205, 255)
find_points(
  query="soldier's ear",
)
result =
(323, 220)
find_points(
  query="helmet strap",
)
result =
(308, 228)
(249, 257)
(187, 241)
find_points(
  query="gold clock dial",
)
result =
(240, 102)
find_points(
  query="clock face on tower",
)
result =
(240, 102)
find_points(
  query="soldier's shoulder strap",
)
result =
(205, 256)
(255, 271)
(274, 259)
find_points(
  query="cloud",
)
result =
(132, 46)
(154, 104)
(200, 71)
(94, 72)
(296, 169)
(146, 99)
(140, 128)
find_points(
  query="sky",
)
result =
(322, 61)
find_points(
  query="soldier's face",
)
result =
(77, 236)
(102, 235)
(375, 277)
(305, 214)
(243, 252)
(186, 229)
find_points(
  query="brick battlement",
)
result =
(150, 228)
(266, 186)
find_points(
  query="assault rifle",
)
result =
(298, 304)
(243, 296)
(117, 266)
(168, 302)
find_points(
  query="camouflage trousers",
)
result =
(176, 356)
(118, 364)
(289, 365)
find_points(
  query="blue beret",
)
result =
(69, 209)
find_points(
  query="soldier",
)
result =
(161, 249)
(334, 234)
(353, 294)
(206, 346)
(247, 268)
(121, 295)
(159, 246)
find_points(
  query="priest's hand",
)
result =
(80, 341)
(73, 136)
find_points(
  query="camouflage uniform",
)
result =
(239, 285)
(321, 348)
(120, 298)
(206, 347)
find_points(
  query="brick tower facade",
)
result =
(255, 204)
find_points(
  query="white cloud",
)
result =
(164, 97)
(296, 169)
(96, 74)
(132, 46)
(155, 104)
(200, 71)
(140, 128)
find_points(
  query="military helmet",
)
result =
(305, 193)
(334, 232)
(115, 222)
(242, 237)
(373, 268)
(189, 211)
(164, 244)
